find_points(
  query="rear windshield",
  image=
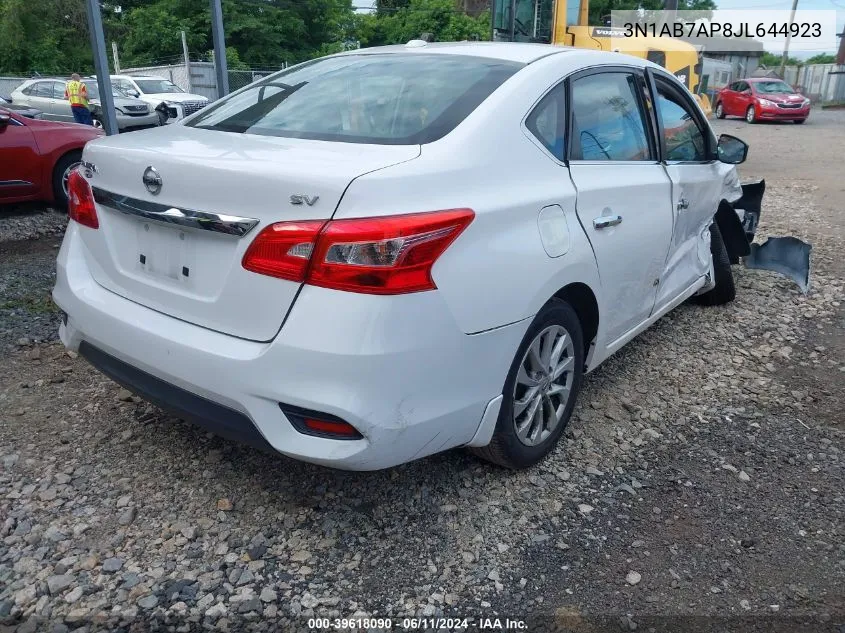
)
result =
(387, 99)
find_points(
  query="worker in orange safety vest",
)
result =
(77, 94)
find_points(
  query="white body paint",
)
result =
(416, 373)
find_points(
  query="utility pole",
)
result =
(671, 9)
(116, 58)
(187, 61)
(101, 65)
(219, 49)
(788, 37)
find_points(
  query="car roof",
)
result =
(140, 77)
(524, 53)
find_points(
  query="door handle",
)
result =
(683, 204)
(607, 220)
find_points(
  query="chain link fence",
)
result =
(240, 78)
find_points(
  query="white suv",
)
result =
(379, 255)
(170, 100)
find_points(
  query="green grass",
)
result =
(37, 305)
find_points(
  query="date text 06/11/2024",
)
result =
(718, 29)
(418, 624)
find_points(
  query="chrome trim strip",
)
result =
(14, 183)
(203, 220)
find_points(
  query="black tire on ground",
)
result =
(799, 121)
(725, 290)
(58, 172)
(720, 111)
(506, 449)
(751, 115)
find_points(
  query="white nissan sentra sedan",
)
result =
(383, 254)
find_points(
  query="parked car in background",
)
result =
(161, 94)
(21, 109)
(388, 253)
(131, 113)
(37, 157)
(762, 99)
(49, 96)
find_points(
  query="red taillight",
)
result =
(387, 255)
(80, 198)
(283, 249)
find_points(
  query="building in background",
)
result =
(743, 63)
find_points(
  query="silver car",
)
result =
(48, 95)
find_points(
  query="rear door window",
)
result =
(389, 99)
(608, 118)
(43, 89)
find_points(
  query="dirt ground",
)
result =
(700, 486)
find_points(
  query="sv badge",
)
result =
(300, 198)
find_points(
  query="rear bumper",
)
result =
(396, 368)
(217, 418)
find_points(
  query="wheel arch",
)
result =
(733, 233)
(583, 300)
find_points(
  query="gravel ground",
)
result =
(700, 486)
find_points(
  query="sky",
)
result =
(837, 5)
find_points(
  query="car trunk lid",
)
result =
(178, 250)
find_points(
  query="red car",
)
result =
(36, 157)
(762, 99)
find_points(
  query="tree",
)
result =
(822, 58)
(770, 60)
(43, 36)
(51, 36)
(441, 18)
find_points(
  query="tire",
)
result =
(725, 290)
(751, 115)
(506, 448)
(63, 166)
(719, 111)
(800, 121)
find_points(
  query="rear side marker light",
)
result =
(81, 201)
(385, 255)
(319, 424)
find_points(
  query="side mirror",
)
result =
(731, 150)
(133, 93)
(5, 119)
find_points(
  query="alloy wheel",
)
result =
(543, 385)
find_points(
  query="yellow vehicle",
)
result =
(564, 23)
